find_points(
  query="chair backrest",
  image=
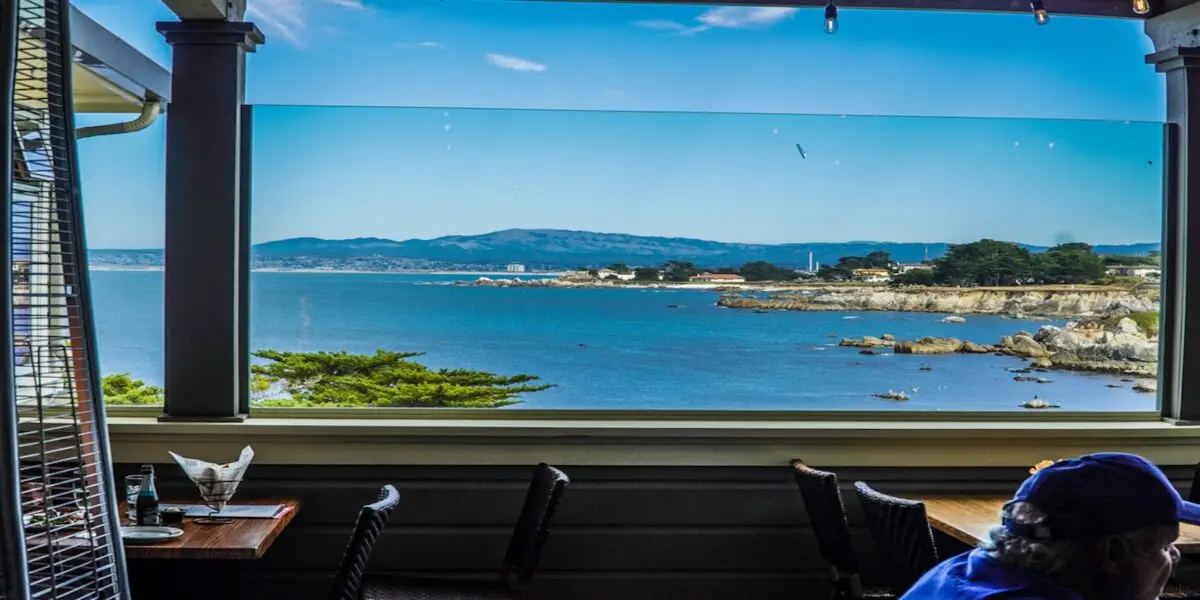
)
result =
(533, 526)
(902, 536)
(827, 516)
(371, 520)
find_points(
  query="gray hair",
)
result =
(1052, 558)
(1049, 557)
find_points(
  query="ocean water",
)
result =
(612, 348)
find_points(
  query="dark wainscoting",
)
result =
(630, 532)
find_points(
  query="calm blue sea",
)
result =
(614, 349)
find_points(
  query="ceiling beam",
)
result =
(113, 59)
(208, 10)
(1092, 8)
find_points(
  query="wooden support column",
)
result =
(1176, 37)
(203, 280)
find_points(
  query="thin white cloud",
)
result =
(745, 17)
(725, 17)
(289, 18)
(425, 44)
(661, 24)
(283, 17)
(515, 63)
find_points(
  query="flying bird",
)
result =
(803, 154)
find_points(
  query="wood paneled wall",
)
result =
(629, 533)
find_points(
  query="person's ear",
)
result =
(1111, 553)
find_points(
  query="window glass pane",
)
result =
(678, 260)
(123, 186)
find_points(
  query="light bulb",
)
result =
(831, 25)
(831, 22)
(1141, 7)
(1040, 16)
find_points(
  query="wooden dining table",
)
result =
(968, 519)
(241, 539)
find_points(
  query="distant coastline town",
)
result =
(1108, 296)
(579, 255)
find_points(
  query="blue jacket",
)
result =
(975, 576)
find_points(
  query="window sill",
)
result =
(651, 441)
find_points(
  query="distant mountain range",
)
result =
(562, 249)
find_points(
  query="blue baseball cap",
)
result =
(1100, 494)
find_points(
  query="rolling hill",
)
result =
(555, 248)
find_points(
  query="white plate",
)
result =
(140, 534)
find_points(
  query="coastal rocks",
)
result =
(1031, 379)
(1030, 301)
(929, 345)
(1114, 367)
(973, 348)
(1023, 345)
(1038, 404)
(867, 341)
(1042, 363)
(954, 319)
(887, 337)
(890, 395)
(871, 352)
(1148, 386)
(1101, 345)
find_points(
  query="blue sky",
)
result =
(399, 173)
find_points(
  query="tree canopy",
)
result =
(764, 271)
(645, 274)
(986, 262)
(915, 277)
(121, 389)
(1075, 262)
(993, 262)
(677, 270)
(383, 379)
(844, 269)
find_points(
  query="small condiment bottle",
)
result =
(146, 510)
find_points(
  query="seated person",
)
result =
(1096, 527)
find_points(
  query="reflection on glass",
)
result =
(616, 260)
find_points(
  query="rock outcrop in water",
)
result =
(1118, 346)
(1045, 301)
(1090, 345)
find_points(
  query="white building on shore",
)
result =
(906, 267)
(717, 278)
(1143, 271)
(515, 268)
(872, 275)
(611, 274)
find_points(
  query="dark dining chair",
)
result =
(827, 516)
(520, 561)
(903, 539)
(371, 520)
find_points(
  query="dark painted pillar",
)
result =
(1176, 37)
(244, 264)
(203, 279)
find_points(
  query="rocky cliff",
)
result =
(1046, 302)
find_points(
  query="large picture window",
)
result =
(627, 260)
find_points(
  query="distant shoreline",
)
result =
(350, 271)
